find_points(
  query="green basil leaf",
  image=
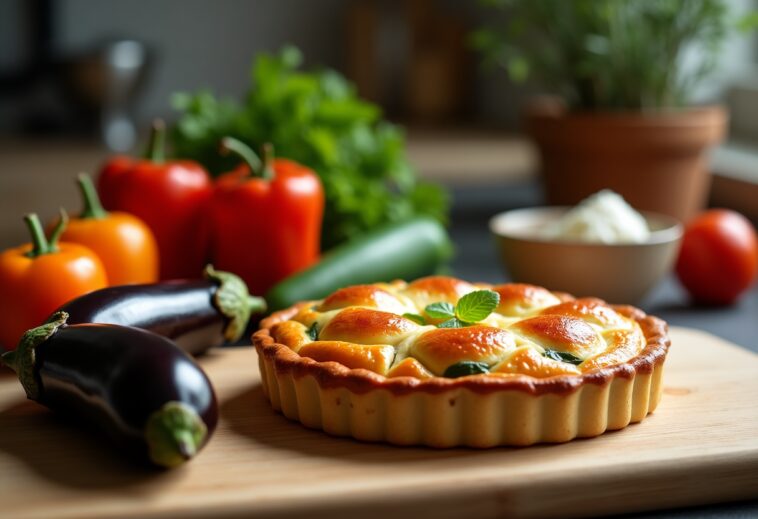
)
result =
(452, 323)
(313, 332)
(563, 356)
(416, 318)
(440, 310)
(475, 306)
(464, 368)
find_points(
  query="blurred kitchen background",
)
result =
(80, 79)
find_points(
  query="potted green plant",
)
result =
(622, 119)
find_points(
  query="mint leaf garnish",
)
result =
(471, 308)
(452, 323)
(563, 356)
(440, 310)
(416, 318)
(476, 306)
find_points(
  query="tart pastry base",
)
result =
(481, 411)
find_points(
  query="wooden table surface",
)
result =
(700, 446)
(36, 175)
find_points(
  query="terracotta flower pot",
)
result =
(656, 160)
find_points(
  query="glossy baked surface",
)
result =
(532, 332)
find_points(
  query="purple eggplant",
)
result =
(196, 314)
(146, 393)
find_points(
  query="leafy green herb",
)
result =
(563, 356)
(416, 318)
(440, 310)
(313, 332)
(475, 306)
(317, 119)
(453, 323)
(471, 308)
(610, 54)
(464, 368)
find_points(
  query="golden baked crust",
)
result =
(356, 347)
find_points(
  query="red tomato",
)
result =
(718, 259)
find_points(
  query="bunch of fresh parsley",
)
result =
(317, 119)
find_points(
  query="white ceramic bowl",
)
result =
(621, 273)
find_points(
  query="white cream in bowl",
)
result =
(604, 217)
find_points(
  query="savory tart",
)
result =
(443, 362)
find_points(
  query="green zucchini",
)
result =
(405, 250)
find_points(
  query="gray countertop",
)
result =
(476, 259)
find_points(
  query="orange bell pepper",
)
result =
(38, 277)
(124, 243)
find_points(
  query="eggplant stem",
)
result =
(22, 360)
(256, 305)
(234, 301)
(185, 448)
(174, 433)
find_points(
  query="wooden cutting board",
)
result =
(700, 446)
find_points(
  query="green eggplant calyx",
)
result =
(234, 301)
(22, 359)
(174, 434)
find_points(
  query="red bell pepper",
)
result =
(265, 217)
(170, 197)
